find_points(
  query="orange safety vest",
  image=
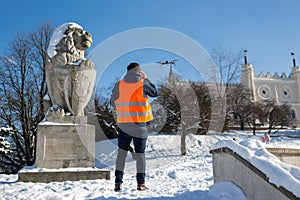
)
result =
(132, 106)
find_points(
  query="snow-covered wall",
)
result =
(286, 155)
(260, 174)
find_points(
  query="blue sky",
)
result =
(269, 29)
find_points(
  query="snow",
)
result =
(6, 129)
(169, 175)
(52, 123)
(73, 169)
(4, 145)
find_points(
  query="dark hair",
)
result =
(132, 65)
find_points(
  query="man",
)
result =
(130, 99)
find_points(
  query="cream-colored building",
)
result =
(277, 88)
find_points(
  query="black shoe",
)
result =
(142, 187)
(118, 187)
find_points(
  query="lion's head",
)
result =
(82, 39)
(68, 43)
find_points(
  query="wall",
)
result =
(229, 166)
(290, 156)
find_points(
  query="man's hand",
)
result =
(143, 74)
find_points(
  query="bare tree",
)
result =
(167, 98)
(105, 116)
(189, 113)
(227, 71)
(39, 41)
(275, 115)
(204, 102)
(23, 87)
(181, 101)
(228, 63)
(239, 104)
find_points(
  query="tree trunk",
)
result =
(183, 142)
(242, 124)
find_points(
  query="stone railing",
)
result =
(228, 166)
(290, 156)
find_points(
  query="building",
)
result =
(276, 88)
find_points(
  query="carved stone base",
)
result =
(65, 145)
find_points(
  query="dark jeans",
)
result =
(124, 141)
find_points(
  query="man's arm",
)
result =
(149, 88)
(114, 95)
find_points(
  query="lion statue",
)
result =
(70, 76)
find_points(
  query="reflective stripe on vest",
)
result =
(131, 105)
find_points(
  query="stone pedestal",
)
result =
(63, 146)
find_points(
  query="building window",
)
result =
(264, 92)
(286, 93)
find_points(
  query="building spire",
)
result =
(294, 60)
(245, 56)
(171, 75)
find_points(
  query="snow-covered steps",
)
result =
(260, 174)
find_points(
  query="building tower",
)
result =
(171, 76)
(279, 89)
(248, 75)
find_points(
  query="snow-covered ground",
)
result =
(169, 175)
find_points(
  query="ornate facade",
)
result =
(277, 88)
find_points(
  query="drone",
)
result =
(167, 62)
